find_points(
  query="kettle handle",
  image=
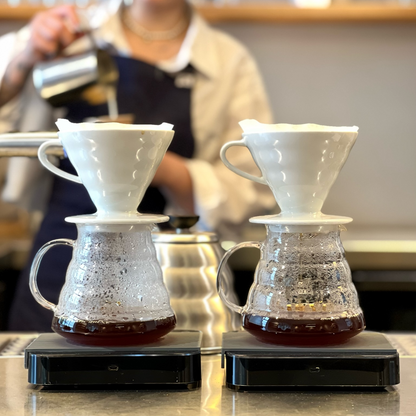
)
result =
(220, 280)
(236, 170)
(50, 166)
(33, 282)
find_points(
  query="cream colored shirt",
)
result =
(227, 88)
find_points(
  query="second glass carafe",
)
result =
(302, 292)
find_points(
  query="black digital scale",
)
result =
(365, 361)
(174, 361)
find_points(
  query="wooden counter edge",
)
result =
(289, 14)
(271, 13)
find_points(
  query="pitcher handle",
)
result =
(50, 166)
(220, 281)
(33, 282)
(235, 169)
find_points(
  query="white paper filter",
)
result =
(253, 126)
(66, 125)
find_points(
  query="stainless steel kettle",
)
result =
(189, 262)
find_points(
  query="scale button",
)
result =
(314, 369)
(113, 367)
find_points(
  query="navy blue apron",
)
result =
(152, 97)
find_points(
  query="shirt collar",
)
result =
(196, 48)
(203, 54)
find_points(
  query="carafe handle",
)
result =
(236, 170)
(50, 166)
(33, 282)
(220, 280)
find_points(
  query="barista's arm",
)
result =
(50, 32)
(14, 78)
(174, 179)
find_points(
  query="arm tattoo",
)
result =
(23, 68)
(13, 81)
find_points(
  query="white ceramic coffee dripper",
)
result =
(115, 162)
(299, 163)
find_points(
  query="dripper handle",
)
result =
(33, 282)
(220, 276)
(235, 169)
(50, 166)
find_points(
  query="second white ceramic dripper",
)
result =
(299, 163)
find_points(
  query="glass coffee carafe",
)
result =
(114, 292)
(302, 292)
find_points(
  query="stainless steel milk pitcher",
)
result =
(90, 75)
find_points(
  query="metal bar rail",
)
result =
(27, 144)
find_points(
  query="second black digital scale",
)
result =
(365, 361)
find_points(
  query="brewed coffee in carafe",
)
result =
(114, 292)
(302, 292)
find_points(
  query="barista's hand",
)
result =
(50, 32)
(173, 176)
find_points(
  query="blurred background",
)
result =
(345, 63)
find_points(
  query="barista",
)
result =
(173, 67)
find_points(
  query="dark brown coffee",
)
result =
(113, 334)
(303, 332)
